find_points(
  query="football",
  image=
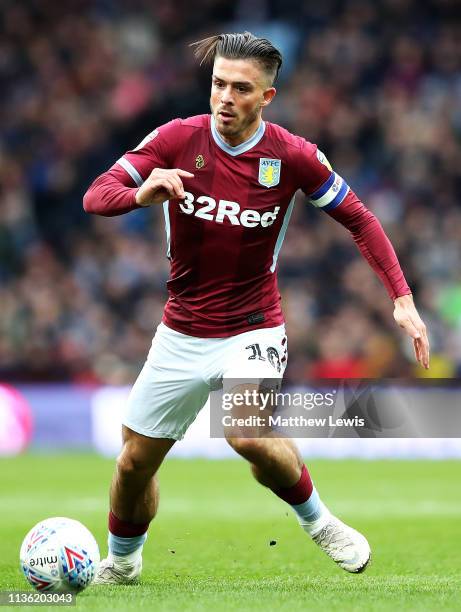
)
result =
(59, 555)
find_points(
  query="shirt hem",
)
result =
(218, 332)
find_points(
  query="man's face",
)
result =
(240, 89)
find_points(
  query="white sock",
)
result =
(313, 527)
(129, 559)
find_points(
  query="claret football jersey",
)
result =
(224, 238)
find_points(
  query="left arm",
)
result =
(377, 249)
(328, 191)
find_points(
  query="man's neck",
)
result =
(241, 145)
(234, 141)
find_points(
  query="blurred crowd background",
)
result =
(376, 84)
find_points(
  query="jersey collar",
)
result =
(242, 147)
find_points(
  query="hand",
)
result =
(162, 185)
(406, 315)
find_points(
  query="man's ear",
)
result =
(268, 96)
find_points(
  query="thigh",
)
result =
(170, 390)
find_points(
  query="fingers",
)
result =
(174, 187)
(418, 332)
(184, 173)
(421, 352)
(410, 321)
(170, 180)
(424, 351)
(157, 190)
(176, 173)
(420, 344)
(418, 352)
(160, 188)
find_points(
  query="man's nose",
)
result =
(226, 96)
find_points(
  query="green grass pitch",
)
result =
(209, 548)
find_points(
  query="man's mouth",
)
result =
(226, 115)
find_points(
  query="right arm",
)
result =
(113, 193)
(139, 177)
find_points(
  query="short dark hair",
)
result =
(240, 46)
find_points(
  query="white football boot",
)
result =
(116, 570)
(346, 546)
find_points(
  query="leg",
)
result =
(276, 463)
(134, 489)
(133, 504)
(164, 400)
(253, 362)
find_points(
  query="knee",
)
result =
(250, 448)
(130, 464)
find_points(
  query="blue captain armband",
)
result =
(331, 193)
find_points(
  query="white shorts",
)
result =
(180, 371)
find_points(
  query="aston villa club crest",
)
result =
(199, 162)
(269, 172)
